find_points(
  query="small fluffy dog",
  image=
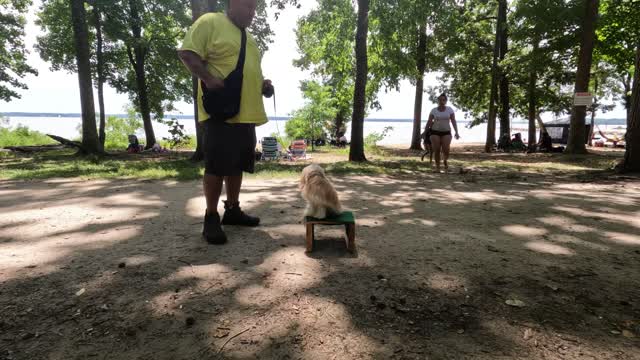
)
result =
(318, 191)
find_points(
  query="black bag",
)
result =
(223, 104)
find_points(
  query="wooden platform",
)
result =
(347, 218)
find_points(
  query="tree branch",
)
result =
(131, 59)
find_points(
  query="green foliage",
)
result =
(325, 39)
(188, 144)
(326, 42)
(22, 136)
(617, 37)
(148, 32)
(118, 129)
(178, 138)
(468, 41)
(282, 140)
(619, 32)
(13, 55)
(544, 42)
(314, 119)
(162, 25)
(374, 138)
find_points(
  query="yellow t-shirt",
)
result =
(217, 40)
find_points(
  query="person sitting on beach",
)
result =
(134, 145)
(342, 141)
(517, 144)
(546, 144)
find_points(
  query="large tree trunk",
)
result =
(594, 108)
(631, 162)
(505, 124)
(356, 151)
(576, 143)
(198, 7)
(90, 142)
(491, 121)
(138, 62)
(421, 63)
(97, 17)
(626, 82)
(533, 100)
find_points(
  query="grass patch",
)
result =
(383, 161)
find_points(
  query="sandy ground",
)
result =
(117, 270)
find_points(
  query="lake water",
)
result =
(401, 133)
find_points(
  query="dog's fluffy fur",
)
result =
(426, 141)
(318, 191)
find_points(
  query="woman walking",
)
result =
(440, 121)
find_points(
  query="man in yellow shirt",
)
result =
(210, 50)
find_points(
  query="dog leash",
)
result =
(275, 113)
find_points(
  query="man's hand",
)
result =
(267, 88)
(213, 83)
(199, 68)
(457, 136)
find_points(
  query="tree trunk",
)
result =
(491, 121)
(356, 150)
(505, 124)
(631, 162)
(576, 143)
(339, 122)
(198, 8)
(100, 70)
(138, 62)
(90, 141)
(627, 95)
(594, 107)
(421, 63)
(533, 100)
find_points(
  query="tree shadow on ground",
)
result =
(438, 257)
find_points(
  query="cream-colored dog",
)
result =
(318, 191)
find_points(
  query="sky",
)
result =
(57, 91)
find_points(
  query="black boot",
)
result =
(233, 215)
(212, 231)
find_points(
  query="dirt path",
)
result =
(117, 270)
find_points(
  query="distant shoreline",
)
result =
(611, 121)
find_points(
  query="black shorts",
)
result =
(440, 133)
(229, 149)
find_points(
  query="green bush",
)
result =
(177, 136)
(313, 120)
(22, 136)
(117, 131)
(189, 144)
(374, 138)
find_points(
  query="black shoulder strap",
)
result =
(243, 51)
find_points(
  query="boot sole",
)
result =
(214, 242)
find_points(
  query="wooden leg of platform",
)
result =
(309, 237)
(351, 237)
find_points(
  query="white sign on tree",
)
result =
(583, 99)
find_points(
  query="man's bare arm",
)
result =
(198, 68)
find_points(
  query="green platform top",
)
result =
(347, 217)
